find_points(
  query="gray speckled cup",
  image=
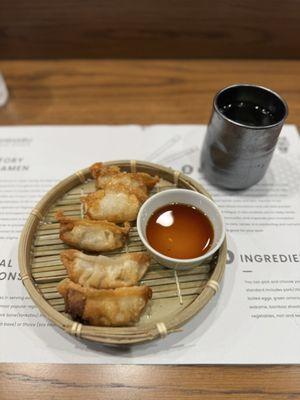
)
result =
(236, 155)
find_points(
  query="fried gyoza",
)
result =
(115, 203)
(140, 182)
(103, 173)
(121, 194)
(114, 307)
(92, 235)
(101, 272)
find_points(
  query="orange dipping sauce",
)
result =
(180, 231)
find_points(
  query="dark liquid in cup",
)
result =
(248, 113)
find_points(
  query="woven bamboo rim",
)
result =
(106, 335)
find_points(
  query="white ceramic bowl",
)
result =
(191, 198)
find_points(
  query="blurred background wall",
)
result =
(149, 29)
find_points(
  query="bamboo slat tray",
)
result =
(177, 296)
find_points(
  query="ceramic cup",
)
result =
(191, 198)
(236, 154)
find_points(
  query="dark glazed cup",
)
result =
(236, 155)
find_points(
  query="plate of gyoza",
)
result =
(85, 267)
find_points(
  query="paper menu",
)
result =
(258, 308)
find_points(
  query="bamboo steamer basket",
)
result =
(177, 295)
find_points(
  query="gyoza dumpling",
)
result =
(115, 203)
(111, 175)
(103, 272)
(114, 307)
(91, 235)
(103, 173)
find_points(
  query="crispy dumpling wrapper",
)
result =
(116, 203)
(112, 175)
(113, 307)
(103, 272)
(91, 235)
(120, 196)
